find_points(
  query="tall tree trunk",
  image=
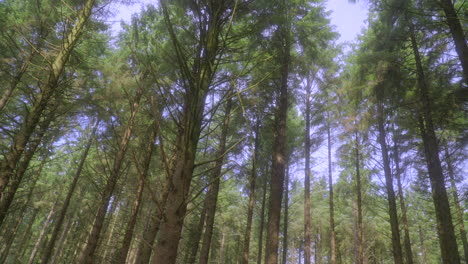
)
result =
(359, 226)
(58, 222)
(331, 198)
(182, 167)
(423, 246)
(392, 208)
(143, 175)
(262, 223)
(87, 254)
(279, 147)
(147, 243)
(195, 238)
(212, 195)
(456, 202)
(40, 239)
(458, 35)
(307, 205)
(12, 156)
(252, 190)
(404, 218)
(286, 216)
(61, 242)
(445, 230)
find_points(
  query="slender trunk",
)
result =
(147, 243)
(252, 189)
(12, 156)
(286, 216)
(61, 241)
(212, 195)
(50, 247)
(458, 35)
(331, 199)
(404, 218)
(143, 175)
(221, 247)
(359, 226)
(423, 247)
(355, 235)
(181, 171)
(392, 208)
(87, 254)
(19, 252)
(39, 240)
(307, 205)
(10, 192)
(456, 202)
(262, 224)
(445, 230)
(279, 149)
(195, 238)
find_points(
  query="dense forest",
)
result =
(233, 131)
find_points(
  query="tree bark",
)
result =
(307, 205)
(456, 30)
(212, 195)
(12, 156)
(252, 190)
(456, 202)
(404, 218)
(445, 230)
(87, 254)
(359, 226)
(262, 223)
(190, 127)
(279, 148)
(423, 246)
(392, 208)
(286, 216)
(143, 175)
(331, 198)
(50, 247)
(40, 240)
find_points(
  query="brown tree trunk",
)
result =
(61, 241)
(212, 195)
(12, 156)
(458, 35)
(392, 208)
(190, 127)
(286, 216)
(331, 198)
(404, 218)
(195, 238)
(58, 222)
(359, 226)
(423, 247)
(87, 254)
(279, 148)
(307, 205)
(40, 240)
(456, 202)
(252, 190)
(262, 223)
(143, 175)
(445, 230)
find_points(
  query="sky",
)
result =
(347, 17)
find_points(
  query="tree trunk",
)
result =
(458, 35)
(40, 240)
(286, 216)
(58, 222)
(279, 149)
(195, 238)
(445, 230)
(331, 198)
(212, 195)
(182, 167)
(423, 247)
(392, 208)
(404, 218)
(252, 189)
(87, 254)
(359, 226)
(61, 241)
(12, 156)
(456, 202)
(307, 205)
(143, 175)
(262, 223)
